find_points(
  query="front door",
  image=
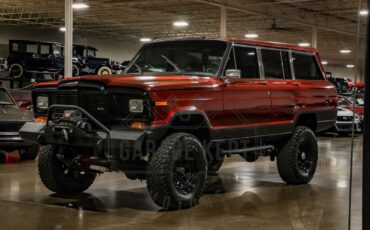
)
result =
(247, 103)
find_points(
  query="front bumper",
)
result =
(109, 143)
(13, 140)
(341, 126)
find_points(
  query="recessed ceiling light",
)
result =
(345, 51)
(324, 62)
(364, 12)
(350, 66)
(251, 36)
(181, 24)
(145, 39)
(304, 44)
(63, 29)
(80, 6)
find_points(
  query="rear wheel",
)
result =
(16, 70)
(104, 70)
(177, 172)
(57, 176)
(297, 161)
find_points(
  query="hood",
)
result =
(14, 114)
(149, 82)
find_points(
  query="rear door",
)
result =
(277, 71)
(247, 103)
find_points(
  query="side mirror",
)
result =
(233, 73)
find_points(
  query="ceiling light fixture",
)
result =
(324, 62)
(80, 6)
(364, 12)
(304, 44)
(345, 51)
(145, 39)
(251, 36)
(63, 29)
(181, 24)
(350, 66)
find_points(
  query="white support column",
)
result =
(68, 38)
(223, 24)
(314, 37)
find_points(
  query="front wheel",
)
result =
(297, 161)
(104, 70)
(16, 71)
(177, 172)
(59, 178)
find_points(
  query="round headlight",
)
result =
(42, 102)
(136, 106)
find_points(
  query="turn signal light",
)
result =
(161, 103)
(41, 119)
(138, 125)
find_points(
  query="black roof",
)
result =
(38, 42)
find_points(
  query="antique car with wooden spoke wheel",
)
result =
(181, 106)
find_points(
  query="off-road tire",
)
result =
(29, 153)
(161, 179)
(104, 70)
(19, 73)
(52, 174)
(288, 158)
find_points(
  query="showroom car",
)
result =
(12, 119)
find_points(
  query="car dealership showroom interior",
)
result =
(184, 114)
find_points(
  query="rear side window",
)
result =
(247, 61)
(15, 47)
(45, 49)
(272, 64)
(306, 67)
(31, 48)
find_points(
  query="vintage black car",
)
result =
(27, 57)
(12, 119)
(85, 62)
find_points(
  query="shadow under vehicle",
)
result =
(11, 120)
(29, 58)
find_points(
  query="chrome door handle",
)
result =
(296, 84)
(262, 83)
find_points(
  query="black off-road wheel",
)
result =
(59, 178)
(177, 172)
(29, 153)
(297, 160)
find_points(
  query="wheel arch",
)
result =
(308, 120)
(193, 122)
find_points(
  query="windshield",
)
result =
(182, 57)
(5, 98)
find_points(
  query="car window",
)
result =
(246, 61)
(286, 64)
(31, 48)
(5, 98)
(272, 63)
(306, 67)
(15, 47)
(44, 49)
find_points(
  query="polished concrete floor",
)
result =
(242, 196)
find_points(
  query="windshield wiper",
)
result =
(176, 67)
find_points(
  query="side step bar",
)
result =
(247, 150)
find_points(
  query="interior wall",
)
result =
(344, 72)
(116, 50)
